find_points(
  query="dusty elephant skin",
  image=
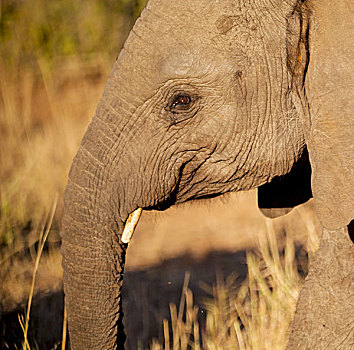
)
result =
(209, 97)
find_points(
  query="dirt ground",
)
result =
(206, 238)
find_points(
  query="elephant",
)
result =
(208, 97)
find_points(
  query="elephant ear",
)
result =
(279, 196)
(329, 87)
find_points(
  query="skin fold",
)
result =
(208, 97)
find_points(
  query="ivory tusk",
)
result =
(129, 227)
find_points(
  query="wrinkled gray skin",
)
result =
(261, 81)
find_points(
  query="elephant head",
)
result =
(206, 97)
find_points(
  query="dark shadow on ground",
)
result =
(148, 293)
(46, 320)
(146, 298)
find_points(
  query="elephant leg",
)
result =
(324, 317)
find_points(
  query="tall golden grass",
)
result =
(40, 132)
(41, 124)
(54, 60)
(254, 316)
(42, 239)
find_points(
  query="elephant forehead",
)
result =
(182, 62)
(174, 40)
(178, 62)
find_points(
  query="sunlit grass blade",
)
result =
(42, 239)
(63, 338)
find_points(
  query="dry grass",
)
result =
(42, 122)
(255, 316)
(42, 239)
(43, 116)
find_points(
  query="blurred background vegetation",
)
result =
(55, 57)
(51, 30)
(46, 47)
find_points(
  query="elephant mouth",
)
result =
(171, 199)
(134, 216)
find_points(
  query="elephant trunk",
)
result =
(93, 278)
(97, 204)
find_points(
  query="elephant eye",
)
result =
(180, 102)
